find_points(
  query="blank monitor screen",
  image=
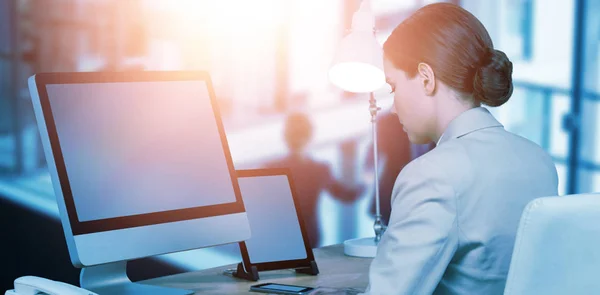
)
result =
(133, 148)
(276, 232)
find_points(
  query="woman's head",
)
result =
(441, 60)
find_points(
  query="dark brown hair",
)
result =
(457, 47)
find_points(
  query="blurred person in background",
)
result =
(310, 176)
(456, 209)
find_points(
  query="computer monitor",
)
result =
(140, 166)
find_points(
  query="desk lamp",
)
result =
(358, 68)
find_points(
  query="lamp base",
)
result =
(363, 247)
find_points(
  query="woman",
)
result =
(455, 210)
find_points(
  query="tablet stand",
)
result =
(243, 274)
(309, 270)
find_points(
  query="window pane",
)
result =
(559, 138)
(546, 30)
(589, 180)
(4, 27)
(562, 178)
(592, 47)
(522, 114)
(5, 106)
(588, 145)
(6, 136)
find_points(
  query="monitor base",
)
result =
(112, 279)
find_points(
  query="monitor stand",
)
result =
(112, 279)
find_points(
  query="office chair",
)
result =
(557, 248)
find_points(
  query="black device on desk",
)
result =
(279, 238)
(281, 289)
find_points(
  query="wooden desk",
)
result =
(335, 270)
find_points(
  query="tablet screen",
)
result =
(276, 232)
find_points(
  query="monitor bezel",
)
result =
(283, 264)
(117, 223)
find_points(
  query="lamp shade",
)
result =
(358, 63)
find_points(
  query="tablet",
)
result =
(278, 236)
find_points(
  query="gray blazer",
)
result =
(456, 209)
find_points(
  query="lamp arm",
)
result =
(378, 226)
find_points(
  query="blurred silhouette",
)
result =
(311, 177)
(394, 152)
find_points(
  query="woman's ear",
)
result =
(427, 78)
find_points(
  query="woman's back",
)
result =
(494, 174)
(456, 209)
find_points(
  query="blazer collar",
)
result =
(469, 121)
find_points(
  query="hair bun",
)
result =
(492, 84)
